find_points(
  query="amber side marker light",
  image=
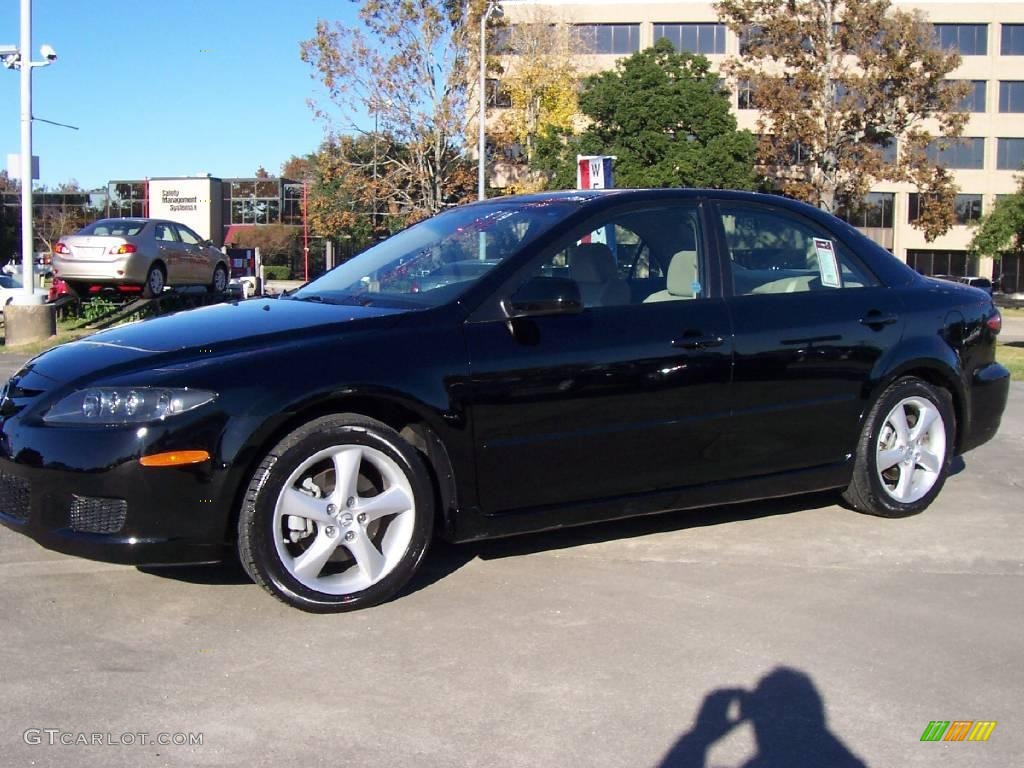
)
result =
(174, 458)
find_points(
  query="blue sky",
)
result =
(166, 87)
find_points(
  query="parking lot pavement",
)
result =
(795, 628)
(1013, 329)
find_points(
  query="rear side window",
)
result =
(164, 233)
(772, 251)
(113, 228)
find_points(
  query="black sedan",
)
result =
(621, 353)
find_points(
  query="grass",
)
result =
(1013, 358)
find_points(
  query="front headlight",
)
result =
(126, 405)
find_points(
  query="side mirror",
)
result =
(545, 296)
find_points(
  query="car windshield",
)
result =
(437, 260)
(113, 227)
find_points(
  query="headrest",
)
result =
(591, 263)
(682, 274)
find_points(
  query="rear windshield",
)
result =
(113, 227)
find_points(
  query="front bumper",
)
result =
(82, 492)
(990, 388)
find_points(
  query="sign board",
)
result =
(828, 265)
(192, 202)
(14, 167)
(594, 172)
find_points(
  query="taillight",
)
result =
(122, 249)
(995, 322)
(61, 248)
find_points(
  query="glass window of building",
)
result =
(292, 202)
(1011, 95)
(1012, 40)
(497, 96)
(255, 201)
(874, 212)
(965, 39)
(127, 198)
(974, 101)
(967, 208)
(936, 262)
(745, 95)
(608, 38)
(966, 153)
(694, 38)
(1010, 154)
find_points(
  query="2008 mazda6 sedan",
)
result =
(622, 353)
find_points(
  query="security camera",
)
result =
(47, 52)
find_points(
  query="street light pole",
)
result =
(28, 278)
(492, 7)
(21, 58)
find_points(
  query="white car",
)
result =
(10, 287)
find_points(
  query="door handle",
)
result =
(698, 340)
(877, 319)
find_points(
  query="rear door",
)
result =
(810, 322)
(629, 396)
(171, 252)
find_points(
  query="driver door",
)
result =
(628, 396)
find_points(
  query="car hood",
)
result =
(217, 329)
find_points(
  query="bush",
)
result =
(277, 272)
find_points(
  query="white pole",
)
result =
(27, 251)
(482, 147)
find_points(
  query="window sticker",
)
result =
(828, 266)
(695, 287)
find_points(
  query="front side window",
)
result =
(641, 257)
(775, 252)
(188, 236)
(436, 261)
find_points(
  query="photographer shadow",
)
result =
(787, 715)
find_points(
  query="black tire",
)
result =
(269, 555)
(156, 281)
(77, 289)
(219, 284)
(867, 492)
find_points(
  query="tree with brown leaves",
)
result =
(405, 64)
(837, 83)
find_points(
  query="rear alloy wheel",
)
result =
(905, 450)
(338, 516)
(220, 280)
(155, 281)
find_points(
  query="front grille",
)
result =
(93, 515)
(15, 496)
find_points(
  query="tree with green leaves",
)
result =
(1002, 230)
(664, 117)
(839, 85)
(406, 64)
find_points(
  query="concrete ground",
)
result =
(795, 631)
(1013, 329)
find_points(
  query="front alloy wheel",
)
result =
(904, 452)
(338, 516)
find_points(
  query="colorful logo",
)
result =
(958, 730)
